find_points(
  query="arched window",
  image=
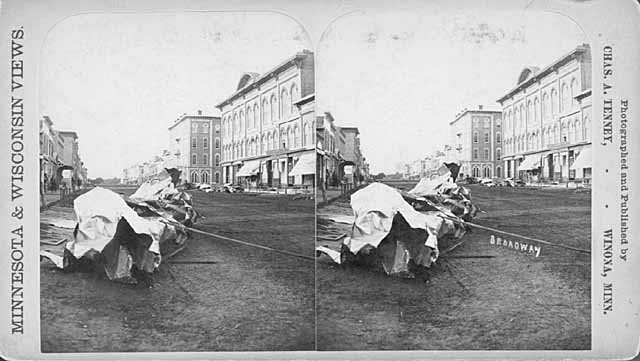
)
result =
(476, 172)
(498, 153)
(250, 124)
(487, 172)
(573, 88)
(498, 137)
(217, 177)
(256, 115)
(475, 137)
(205, 177)
(284, 103)
(294, 96)
(205, 143)
(554, 102)
(242, 124)
(564, 95)
(194, 159)
(570, 132)
(236, 130)
(586, 124)
(274, 139)
(217, 160)
(283, 138)
(545, 107)
(475, 154)
(296, 137)
(217, 143)
(290, 141)
(268, 142)
(194, 177)
(274, 108)
(308, 136)
(499, 171)
(205, 159)
(521, 119)
(486, 153)
(536, 113)
(486, 137)
(529, 120)
(265, 111)
(578, 130)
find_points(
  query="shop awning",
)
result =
(530, 162)
(583, 160)
(249, 168)
(305, 165)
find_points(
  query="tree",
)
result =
(98, 180)
(379, 176)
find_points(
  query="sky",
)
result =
(401, 76)
(120, 80)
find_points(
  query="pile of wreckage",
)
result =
(125, 235)
(402, 230)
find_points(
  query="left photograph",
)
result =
(177, 183)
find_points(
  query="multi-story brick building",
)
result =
(267, 126)
(548, 121)
(51, 148)
(330, 140)
(71, 158)
(195, 148)
(476, 143)
(352, 153)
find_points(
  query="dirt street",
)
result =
(248, 299)
(512, 301)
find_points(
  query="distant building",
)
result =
(193, 149)
(268, 126)
(330, 141)
(71, 158)
(475, 141)
(352, 153)
(51, 148)
(547, 131)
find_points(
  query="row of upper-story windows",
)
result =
(487, 137)
(570, 131)
(537, 111)
(486, 153)
(205, 159)
(273, 108)
(288, 138)
(205, 143)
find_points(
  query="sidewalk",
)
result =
(54, 196)
(333, 193)
(51, 197)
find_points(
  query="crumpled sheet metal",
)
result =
(108, 226)
(125, 234)
(390, 231)
(154, 190)
(374, 208)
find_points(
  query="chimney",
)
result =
(199, 112)
(480, 107)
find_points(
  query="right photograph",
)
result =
(453, 182)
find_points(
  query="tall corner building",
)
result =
(547, 121)
(476, 143)
(268, 126)
(196, 148)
